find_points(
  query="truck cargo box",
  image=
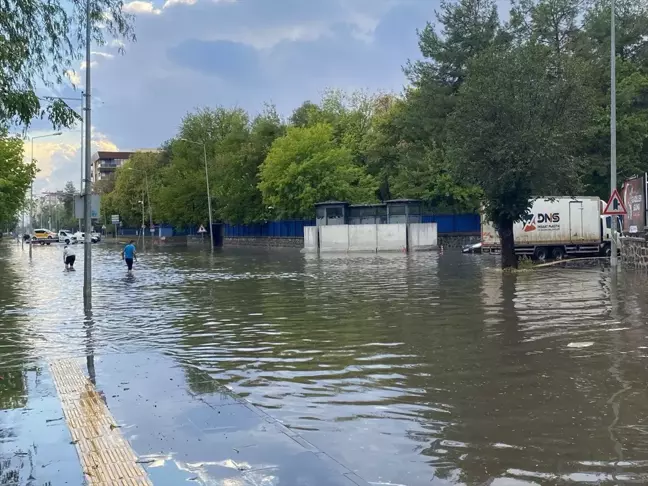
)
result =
(561, 221)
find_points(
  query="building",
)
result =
(105, 163)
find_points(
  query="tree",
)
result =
(41, 42)
(516, 130)
(306, 166)
(15, 177)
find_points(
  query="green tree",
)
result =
(15, 177)
(516, 130)
(42, 41)
(306, 166)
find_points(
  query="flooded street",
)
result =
(408, 369)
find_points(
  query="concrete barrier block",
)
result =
(310, 238)
(392, 237)
(334, 238)
(363, 237)
(422, 236)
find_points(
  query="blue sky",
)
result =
(194, 53)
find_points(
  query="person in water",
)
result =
(68, 257)
(129, 254)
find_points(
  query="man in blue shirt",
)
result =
(129, 254)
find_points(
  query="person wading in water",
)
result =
(129, 254)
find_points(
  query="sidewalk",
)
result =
(169, 424)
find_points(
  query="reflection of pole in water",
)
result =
(615, 369)
(89, 326)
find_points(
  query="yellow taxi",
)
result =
(44, 237)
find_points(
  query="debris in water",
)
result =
(585, 344)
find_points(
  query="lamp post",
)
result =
(613, 162)
(209, 208)
(31, 189)
(87, 203)
(148, 197)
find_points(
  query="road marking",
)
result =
(106, 457)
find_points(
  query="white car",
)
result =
(80, 237)
(67, 237)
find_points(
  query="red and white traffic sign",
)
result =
(615, 205)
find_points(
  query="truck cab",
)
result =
(606, 233)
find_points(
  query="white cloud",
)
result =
(171, 3)
(83, 65)
(59, 158)
(73, 76)
(141, 7)
(105, 55)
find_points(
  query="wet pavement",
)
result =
(398, 369)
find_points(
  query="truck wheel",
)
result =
(558, 253)
(67, 241)
(540, 254)
(607, 251)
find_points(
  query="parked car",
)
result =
(96, 235)
(80, 237)
(66, 236)
(44, 236)
(472, 248)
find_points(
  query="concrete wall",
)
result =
(422, 236)
(334, 238)
(363, 237)
(310, 238)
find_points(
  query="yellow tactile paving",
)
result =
(106, 457)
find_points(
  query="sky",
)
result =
(232, 53)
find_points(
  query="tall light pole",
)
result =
(148, 198)
(613, 165)
(31, 190)
(209, 208)
(87, 202)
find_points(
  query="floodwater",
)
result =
(409, 369)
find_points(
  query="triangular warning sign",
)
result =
(615, 205)
(202, 229)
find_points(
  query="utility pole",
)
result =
(81, 150)
(87, 200)
(613, 165)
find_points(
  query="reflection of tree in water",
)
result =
(529, 403)
(14, 349)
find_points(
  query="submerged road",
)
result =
(270, 367)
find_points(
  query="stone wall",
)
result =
(265, 242)
(634, 252)
(457, 241)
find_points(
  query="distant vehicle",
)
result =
(44, 237)
(472, 248)
(96, 235)
(80, 237)
(66, 236)
(557, 227)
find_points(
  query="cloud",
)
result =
(190, 54)
(141, 7)
(171, 3)
(59, 158)
(74, 78)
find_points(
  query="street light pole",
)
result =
(87, 202)
(613, 162)
(31, 190)
(209, 208)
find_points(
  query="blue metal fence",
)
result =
(274, 229)
(446, 224)
(455, 223)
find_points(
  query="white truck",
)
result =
(557, 227)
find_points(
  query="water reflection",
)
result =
(412, 369)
